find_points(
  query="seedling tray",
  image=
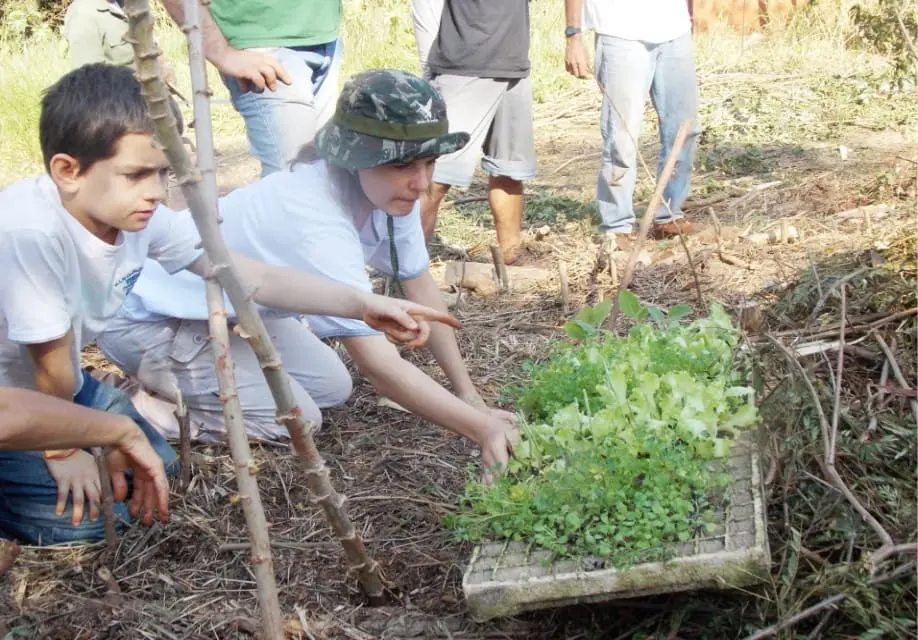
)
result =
(505, 579)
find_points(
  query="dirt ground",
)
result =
(192, 577)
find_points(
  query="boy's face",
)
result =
(119, 193)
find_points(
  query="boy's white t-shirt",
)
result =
(292, 219)
(653, 21)
(55, 276)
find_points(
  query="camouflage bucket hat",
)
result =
(383, 116)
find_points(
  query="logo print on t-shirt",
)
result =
(126, 283)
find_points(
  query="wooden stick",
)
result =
(502, 277)
(246, 470)
(184, 423)
(866, 326)
(108, 502)
(876, 408)
(565, 290)
(648, 217)
(251, 327)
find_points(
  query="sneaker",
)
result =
(673, 229)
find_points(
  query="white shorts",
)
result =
(175, 354)
(497, 114)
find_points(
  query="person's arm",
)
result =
(252, 69)
(300, 292)
(443, 345)
(30, 420)
(410, 387)
(575, 56)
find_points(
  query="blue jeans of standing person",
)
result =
(28, 491)
(279, 122)
(627, 70)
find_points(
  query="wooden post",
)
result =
(184, 424)
(565, 291)
(503, 278)
(251, 327)
(108, 502)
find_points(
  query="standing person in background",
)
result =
(95, 31)
(641, 47)
(280, 61)
(425, 14)
(479, 62)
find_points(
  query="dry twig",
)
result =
(794, 619)
(829, 455)
(896, 369)
(646, 221)
(108, 502)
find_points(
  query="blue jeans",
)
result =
(279, 122)
(627, 70)
(28, 491)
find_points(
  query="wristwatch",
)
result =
(571, 31)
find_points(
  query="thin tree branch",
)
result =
(794, 619)
(906, 35)
(108, 503)
(897, 371)
(830, 471)
(646, 221)
(251, 326)
(205, 184)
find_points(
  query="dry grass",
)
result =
(187, 580)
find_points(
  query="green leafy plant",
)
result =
(621, 438)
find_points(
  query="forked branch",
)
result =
(250, 327)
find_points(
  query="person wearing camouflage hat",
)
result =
(350, 200)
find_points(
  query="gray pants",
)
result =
(175, 354)
(497, 114)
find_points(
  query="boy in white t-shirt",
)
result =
(72, 244)
(641, 47)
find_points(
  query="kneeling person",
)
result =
(350, 200)
(72, 245)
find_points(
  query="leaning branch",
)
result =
(251, 327)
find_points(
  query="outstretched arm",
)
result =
(253, 70)
(442, 344)
(300, 292)
(410, 387)
(30, 420)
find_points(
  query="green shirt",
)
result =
(277, 23)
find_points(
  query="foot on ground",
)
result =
(674, 229)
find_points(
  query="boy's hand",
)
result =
(77, 475)
(403, 321)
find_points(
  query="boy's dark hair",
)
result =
(87, 111)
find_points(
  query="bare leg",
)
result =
(506, 198)
(430, 208)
